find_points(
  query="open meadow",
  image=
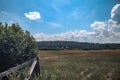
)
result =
(80, 64)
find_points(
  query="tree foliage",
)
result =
(60, 45)
(16, 46)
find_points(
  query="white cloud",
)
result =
(97, 25)
(33, 15)
(114, 28)
(77, 35)
(81, 36)
(115, 13)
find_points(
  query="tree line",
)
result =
(61, 45)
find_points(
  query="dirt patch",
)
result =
(49, 58)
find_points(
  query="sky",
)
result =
(65, 20)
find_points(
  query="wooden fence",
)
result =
(34, 68)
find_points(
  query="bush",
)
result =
(16, 46)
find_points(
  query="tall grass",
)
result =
(77, 65)
(82, 65)
(18, 75)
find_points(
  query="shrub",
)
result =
(16, 46)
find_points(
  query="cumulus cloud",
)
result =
(33, 15)
(115, 13)
(97, 25)
(77, 35)
(103, 31)
(114, 28)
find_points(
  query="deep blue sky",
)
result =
(56, 16)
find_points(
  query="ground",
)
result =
(80, 64)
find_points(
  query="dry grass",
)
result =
(81, 64)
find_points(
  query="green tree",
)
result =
(16, 46)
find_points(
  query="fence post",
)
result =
(34, 69)
(37, 68)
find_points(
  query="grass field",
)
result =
(80, 65)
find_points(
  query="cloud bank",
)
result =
(33, 15)
(103, 31)
(115, 13)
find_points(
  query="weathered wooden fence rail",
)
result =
(34, 62)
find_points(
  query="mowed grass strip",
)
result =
(80, 64)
